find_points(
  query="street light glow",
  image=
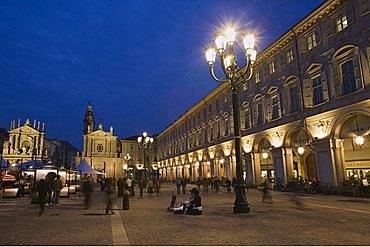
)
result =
(248, 42)
(359, 140)
(220, 43)
(210, 55)
(230, 35)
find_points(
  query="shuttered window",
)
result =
(348, 78)
(293, 99)
(272, 68)
(260, 115)
(275, 107)
(317, 91)
(257, 76)
(247, 123)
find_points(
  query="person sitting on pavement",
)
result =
(193, 206)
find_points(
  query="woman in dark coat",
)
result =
(126, 195)
(42, 189)
(120, 187)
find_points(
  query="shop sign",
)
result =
(358, 164)
(353, 127)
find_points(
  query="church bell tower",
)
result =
(89, 121)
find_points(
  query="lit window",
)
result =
(348, 78)
(341, 22)
(275, 107)
(257, 76)
(311, 41)
(317, 91)
(289, 56)
(272, 67)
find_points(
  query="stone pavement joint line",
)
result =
(118, 231)
(347, 209)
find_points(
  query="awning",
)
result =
(84, 168)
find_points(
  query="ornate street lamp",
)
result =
(127, 158)
(234, 76)
(145, 142)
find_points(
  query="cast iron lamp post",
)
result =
(234, 76)
(145, 142)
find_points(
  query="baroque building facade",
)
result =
(310, 89)
(28, 142)
(104, 152)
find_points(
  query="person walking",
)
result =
(142, 186)
(150, 187)
(126, 195)
(56, 186)
(120, 184)
(228, 185)
(183, 185)
(42, 189)
(87, 191)
(178, 185)
(109, 192)
(132, 186)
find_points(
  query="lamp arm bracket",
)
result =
(212, 72)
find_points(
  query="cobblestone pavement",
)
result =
(326, 220)
(65, 224)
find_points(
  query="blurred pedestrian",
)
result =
(109, 192)
(266, 196)
(132, 186)
(217, 184)
(126, 195)
(228, 185)
(178, 185)
(120, 186)
(183, 185)
(150, 187)
(56, 186)
(42, 189)
(142, 186)
(87, 191)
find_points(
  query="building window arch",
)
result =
(346, 71)
(258, 110)
(273, 104)
(291, 92)
(315, 85)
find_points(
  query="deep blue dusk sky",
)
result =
(140, 63)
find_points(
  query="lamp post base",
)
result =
(241, 204)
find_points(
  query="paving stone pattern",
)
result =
(65, 224)
(326, 220)
(148, 223)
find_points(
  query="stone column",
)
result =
(339, 160)
(227, 164)
(289, 167)
(249, 163)
(325, 166)
(283, 165)
(257, 168)
(212, 161)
